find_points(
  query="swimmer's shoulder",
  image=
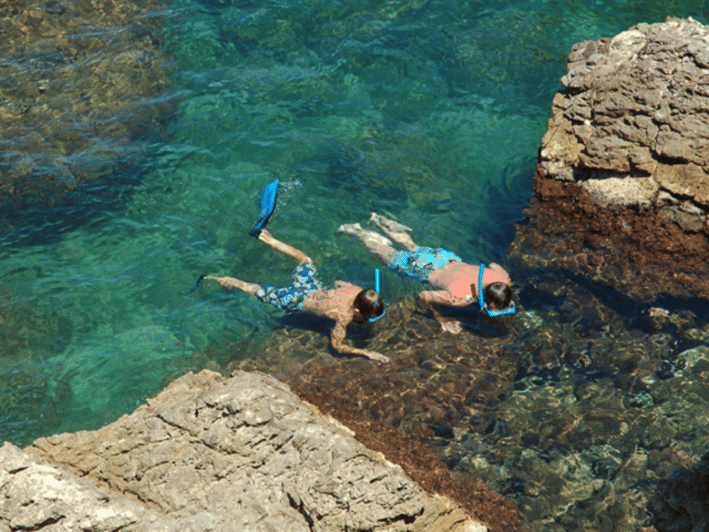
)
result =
(505, 277)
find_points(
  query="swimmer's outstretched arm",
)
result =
(434, 298)
(336, 340)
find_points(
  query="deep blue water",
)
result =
(430, 111)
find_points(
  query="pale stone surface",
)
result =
(37, 496)
(211, 453)
(619, 192)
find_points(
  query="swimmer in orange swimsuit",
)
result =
(457, 284)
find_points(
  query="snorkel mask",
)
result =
(491, 313)
(376, 288)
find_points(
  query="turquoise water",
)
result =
(429, 111)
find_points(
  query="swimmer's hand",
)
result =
(378, 357)
(336, 339)
(451, 326)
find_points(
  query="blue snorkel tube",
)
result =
(376, 288)
(491, 313)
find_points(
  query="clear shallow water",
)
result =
(429, 111)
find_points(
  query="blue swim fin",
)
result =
(268, 205)
(196, 285)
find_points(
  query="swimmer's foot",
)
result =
(366, 236)
(385, 223)
(377, 244)
(350, 229)
(394, 230)
(196, 285)
(231, 283)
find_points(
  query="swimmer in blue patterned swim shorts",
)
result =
(343, 304)
(458, 284)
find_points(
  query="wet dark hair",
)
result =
(368, 304)
(497, 295)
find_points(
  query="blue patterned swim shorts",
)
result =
(290, 299)
(422, 261)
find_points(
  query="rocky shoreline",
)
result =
(215, 453)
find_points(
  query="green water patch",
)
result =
(30, 338)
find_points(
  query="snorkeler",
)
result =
(343, 303)
(458, 284)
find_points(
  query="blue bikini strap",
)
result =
(481, 300)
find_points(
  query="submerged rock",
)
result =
(436, 388)
(624, 165)
(681, 501)
(211, 453)
(83, 95)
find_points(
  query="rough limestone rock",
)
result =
(624, 165)
(635, 107)
(35, 495)
(211, 453)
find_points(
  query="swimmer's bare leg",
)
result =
(377, 244)
(394, 230)
(232, 283)
(284, 248)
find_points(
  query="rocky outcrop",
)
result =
(211, 453)
(624, 166)
(40, 496)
